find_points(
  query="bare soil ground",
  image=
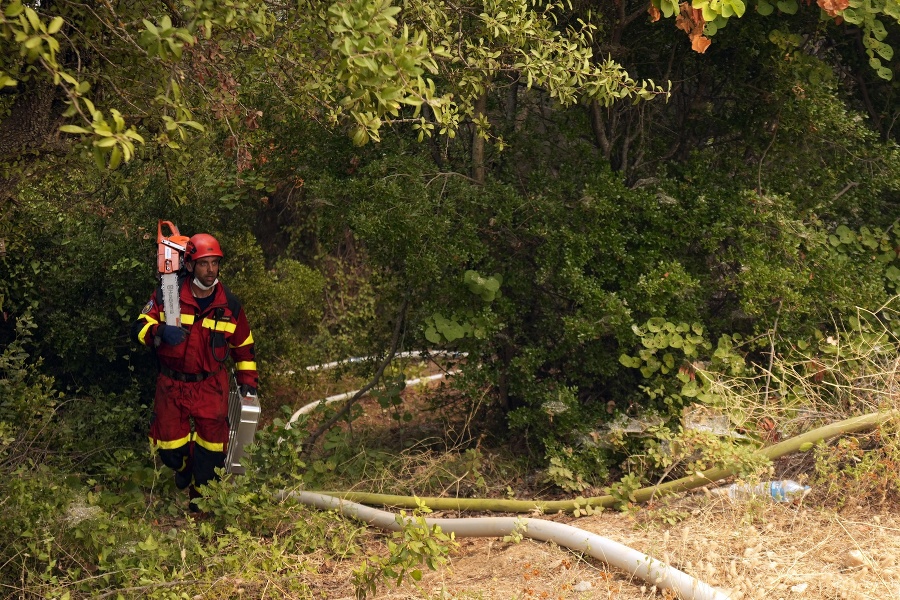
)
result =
(748, 549)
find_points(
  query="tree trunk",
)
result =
(478, 169)
(30, 129)
(33, 122)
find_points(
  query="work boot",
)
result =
(193, 494)
(183, 478)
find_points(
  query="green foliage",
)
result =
(283, 305)
(871, 245)
(76, 275)
(586, 264)
(274, 459)
(383, 68)
(438, 56)
(69, 533)
(28, 400)
(870, 17)
(443, 330)
(45, 43)
(563, 477)
(864, 464)
(667, 516)
(667, 362)
(351, 324)
(583, 508)
(623, 490)
(390, 400)
(517, 534)
(415, 543)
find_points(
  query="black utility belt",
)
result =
(186, 377)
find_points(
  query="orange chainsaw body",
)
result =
(170, 260)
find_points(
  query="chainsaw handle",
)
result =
(173, 231)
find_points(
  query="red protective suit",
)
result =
(193, 382)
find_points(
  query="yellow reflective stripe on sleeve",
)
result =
(148, 318)
(170, 445)
(246, 342)
(219, 325)
(150, 323)
(211, 446)
(143, 332)
(245, 365)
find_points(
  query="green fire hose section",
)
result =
(636, 563)
(696, 480)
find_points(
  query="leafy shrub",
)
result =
(283, 305)
(28, 400)
(414, 544)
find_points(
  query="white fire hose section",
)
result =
(617, 555)
(357, 359)
(347, 395)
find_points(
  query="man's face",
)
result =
(206, 270)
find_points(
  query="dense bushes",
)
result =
(584, 261)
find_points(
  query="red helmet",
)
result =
(202, 245)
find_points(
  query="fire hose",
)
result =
(613, 553)
(684, 484)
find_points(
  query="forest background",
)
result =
(616, 214)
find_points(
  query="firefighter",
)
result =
(189, 427)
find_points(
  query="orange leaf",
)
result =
(700, 43)
(654, 14)
(698, 16)
(833, 7)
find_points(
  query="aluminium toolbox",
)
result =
(243, 416)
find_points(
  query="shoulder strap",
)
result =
(234, 305)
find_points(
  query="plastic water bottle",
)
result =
(785, 490)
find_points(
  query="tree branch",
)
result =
(395, 343)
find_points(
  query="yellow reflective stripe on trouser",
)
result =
(211, 446)
(170, 445)
(245, 365)
(219, 325)
(246, 342)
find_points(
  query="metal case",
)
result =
(243, 416)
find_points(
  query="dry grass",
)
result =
(856, 370)
(751, 550)
(842, 541)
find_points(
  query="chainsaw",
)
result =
(169, 261)
(243, 412)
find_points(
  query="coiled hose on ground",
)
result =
(636, 563)
(613, 553)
